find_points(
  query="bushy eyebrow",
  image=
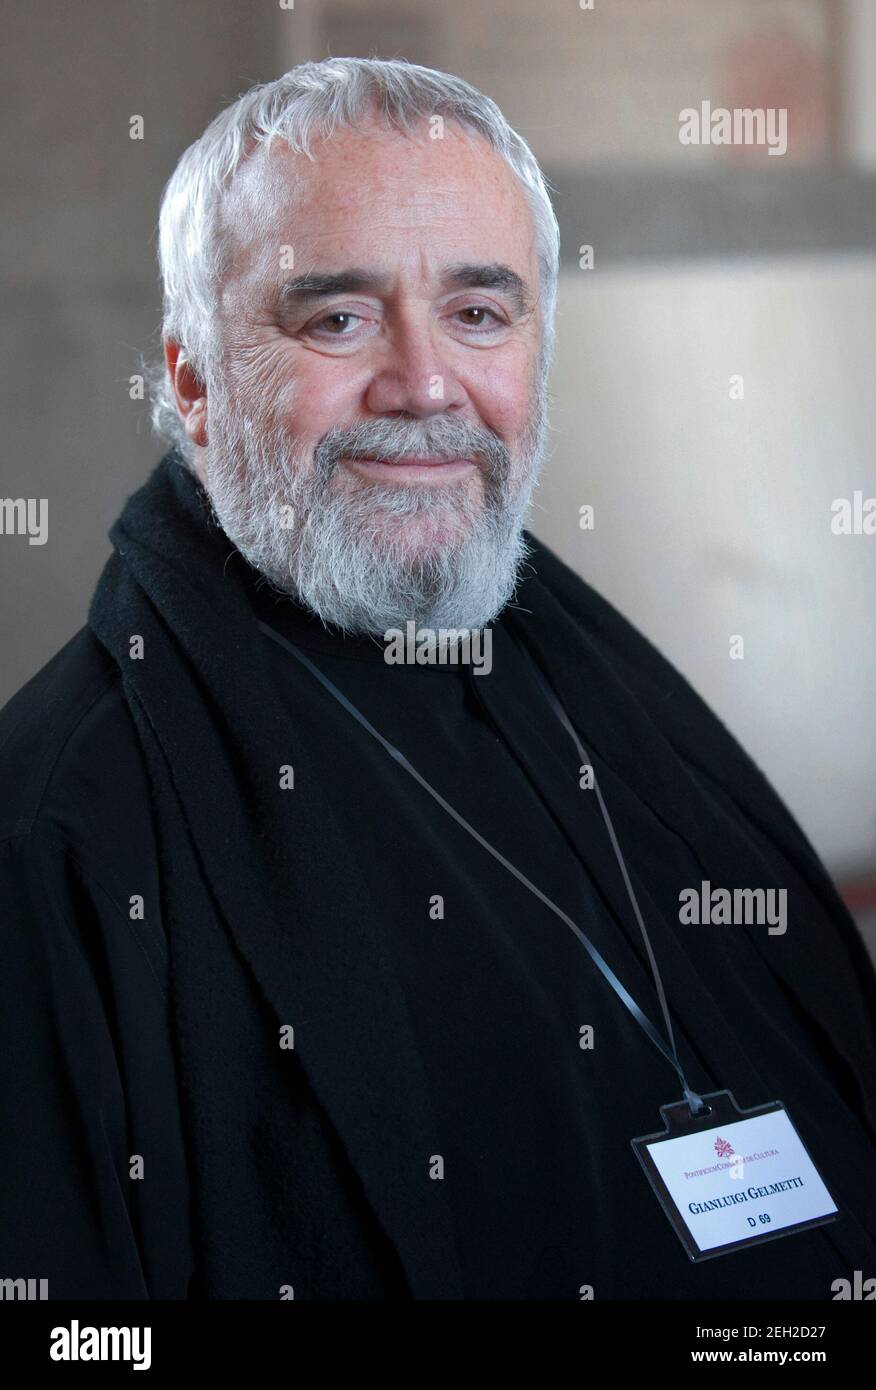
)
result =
(317, 285)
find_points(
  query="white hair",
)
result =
(311, 99)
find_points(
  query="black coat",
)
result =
(156, 1032)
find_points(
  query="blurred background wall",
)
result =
(713, 391)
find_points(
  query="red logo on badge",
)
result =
(722, 1148)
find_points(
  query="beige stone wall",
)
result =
(608, 84)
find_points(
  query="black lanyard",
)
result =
(670, 1053)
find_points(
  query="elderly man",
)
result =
(335, 976)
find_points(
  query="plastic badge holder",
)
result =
(761, 1218)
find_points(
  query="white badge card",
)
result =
(729, 1178)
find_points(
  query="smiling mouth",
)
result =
(411, 466)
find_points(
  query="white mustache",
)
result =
(441, 438)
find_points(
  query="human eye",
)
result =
(481, 326)
(339, 317)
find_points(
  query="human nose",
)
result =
(414, 375)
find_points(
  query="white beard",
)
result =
(348, 554)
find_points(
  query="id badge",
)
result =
(731, 1178)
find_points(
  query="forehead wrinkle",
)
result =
(271, 168)
(273, 188)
